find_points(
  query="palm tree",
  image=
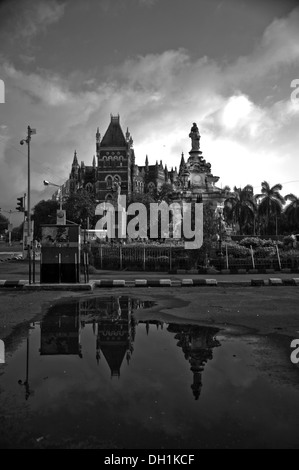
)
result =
(270, 204)
(240, 207)
(292, 210)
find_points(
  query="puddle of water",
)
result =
(89, 375)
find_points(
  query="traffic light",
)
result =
(20, 207)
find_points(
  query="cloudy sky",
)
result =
(161, 65)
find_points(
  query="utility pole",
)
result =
(30, 132)
(9, 228)
(24, 225)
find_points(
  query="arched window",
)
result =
(108, 197)
(151, 186)
(109, 182)
(117, 179)
(89, 187)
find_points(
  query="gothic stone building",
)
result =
(114, 166)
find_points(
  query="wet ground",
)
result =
(148, 369)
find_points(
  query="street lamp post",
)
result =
(220, 238)
(220, 233)
(48, 183)
(30, 132)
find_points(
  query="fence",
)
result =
(234, 264)
(143, 258)
(255, 261)
(170, 258)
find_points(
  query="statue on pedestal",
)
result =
(116, 192)
(195, 137)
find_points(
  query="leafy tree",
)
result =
(270, 206)
(292, 211)
(240, 207)
(79, 207)
(44, 213)
(17, 232)
(165, 193)
(3, 223)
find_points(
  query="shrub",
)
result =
(251, 241)
(92, 270)
(289, 254)
(265, 252)
(237, 251)
(268, 243)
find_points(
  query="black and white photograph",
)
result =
(149, 227)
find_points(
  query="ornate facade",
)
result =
(114, 169)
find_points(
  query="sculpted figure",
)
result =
(195, 136)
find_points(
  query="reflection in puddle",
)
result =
(95, 373)
(114, 326)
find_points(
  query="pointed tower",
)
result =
(98, 140)
(116, 160)
(146, 169)
(75, 165)
(166, 173)
(75, 160)
(182, 164)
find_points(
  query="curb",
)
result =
(24, 284)
(19, 284)
(60, 287)
(11, 258)
(155, 283)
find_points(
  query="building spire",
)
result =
(94, 161)
(182, 164)
(98, 136)
(75, 160)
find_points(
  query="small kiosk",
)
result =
(60, 254)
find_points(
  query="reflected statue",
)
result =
(197, 343)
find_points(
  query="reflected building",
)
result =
(112, 321)
(114, 326)
(60, 331)
(115, 331)
(197, 343)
